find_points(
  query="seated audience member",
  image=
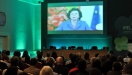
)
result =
(24, 73)
(13, 68)
(76, 67)
(63, 60)
(26, 57)
(113, 59)
(116, 67)
(96, 55)
(86, 58)
(103, 59)
(2, 64)
(72, 64)
(127, 70)
(59, 68)
(106, 67)
(78, 54)
(130, 61)
(32, 69)
(48, 56)
(6, 60)
(38, 52)
(111, 53)
(11, 71)
(54, 55)
(120, 60)
(18, 54)
(69, 61)
(127, 58)
(46, 70)
(49, 64)
(96, 64)
(81, 68)
(39, 56)
(8, 54)
(94, 71)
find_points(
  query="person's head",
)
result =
(127, 69)
(113, 59)
(129, 54)
(17, 53)
(11, 71)
(46, 70)
(103, 59)
(25, 53)
(96, 63)
(59, 61)
(48, 54)
(120, 59)
(94, 71)
(111, 52)
(33, 61)
(73, 58)
(82, 64)
(54, 55)
(97, 54)
(39, 55)
(78, 54)
(6, 58)
(70, 55)
(8, 52)
(74, 14)
(3, 52)
(86, 56)
(92, 59)
(14, 61)
(50, 60)
(37, 52)
(116, 66)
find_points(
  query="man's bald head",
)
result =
(59, 61)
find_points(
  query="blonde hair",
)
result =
(46, 70)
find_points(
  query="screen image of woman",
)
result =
(74, 22)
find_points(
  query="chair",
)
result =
(26, 66)
(39, 65)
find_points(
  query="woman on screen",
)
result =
(74, 22)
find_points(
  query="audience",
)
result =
(98, 65)
(32, 69)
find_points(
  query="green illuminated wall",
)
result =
(23, 24)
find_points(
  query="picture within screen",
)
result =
(75, 18)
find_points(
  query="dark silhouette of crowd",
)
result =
(52, 64)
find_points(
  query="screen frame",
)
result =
(45, 36)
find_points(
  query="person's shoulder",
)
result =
(81, 21)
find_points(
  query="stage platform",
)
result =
(66, 53)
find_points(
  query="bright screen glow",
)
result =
(75, 18)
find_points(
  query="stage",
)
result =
(66, 53)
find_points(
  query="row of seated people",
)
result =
(56, 65)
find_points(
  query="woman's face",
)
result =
(74, 15)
